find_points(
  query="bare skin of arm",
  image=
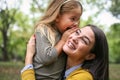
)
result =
(30, 50)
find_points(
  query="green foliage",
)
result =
(114, 33)
(15, 28)
(21, 26)
(19, 35)
(83, 22)
(114, 43)
(115, 8)
(37, 9)
(6, 20)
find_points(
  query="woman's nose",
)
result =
(75, 40)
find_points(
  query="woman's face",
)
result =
(80, 43)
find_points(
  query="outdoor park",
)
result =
(17, 20)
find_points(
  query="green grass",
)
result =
(114, 71)
(11, 71)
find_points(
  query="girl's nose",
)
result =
(76, 23)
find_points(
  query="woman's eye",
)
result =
(85, 41)
(78, 32)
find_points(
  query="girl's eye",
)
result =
(73, 19)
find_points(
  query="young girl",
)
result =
(60, 20)
(87, 51)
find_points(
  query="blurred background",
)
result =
(17, 20)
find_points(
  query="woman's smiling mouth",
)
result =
(71, 45)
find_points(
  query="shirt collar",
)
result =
(68, 71)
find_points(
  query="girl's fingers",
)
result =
(73, 29)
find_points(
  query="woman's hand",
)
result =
(30, 50)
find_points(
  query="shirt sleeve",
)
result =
(45, 53)
(29, 66)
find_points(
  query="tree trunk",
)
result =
(4, 47)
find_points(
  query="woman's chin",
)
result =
(67, 50)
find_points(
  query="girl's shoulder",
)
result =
(40, 26)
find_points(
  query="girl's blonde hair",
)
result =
(55, 8)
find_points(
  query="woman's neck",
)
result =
(72, 62)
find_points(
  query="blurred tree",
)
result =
(37, 9)
(6, 19)
(115, 8)
(16, 27)
(13, 30)
(113, 34)
(114, 42)
(93, 8)
(19, 35)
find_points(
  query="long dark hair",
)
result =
(98, 67)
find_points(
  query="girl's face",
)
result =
(80, 43)
(68, 20)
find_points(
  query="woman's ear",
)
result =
(90, 56)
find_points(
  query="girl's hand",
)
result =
(30, 50)
(67, 33)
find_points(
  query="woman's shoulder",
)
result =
(80, 74)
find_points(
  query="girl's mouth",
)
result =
(68, 28)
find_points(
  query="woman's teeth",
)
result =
(71, 45)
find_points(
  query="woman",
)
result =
(87, 51)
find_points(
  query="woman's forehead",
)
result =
(87, 31)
